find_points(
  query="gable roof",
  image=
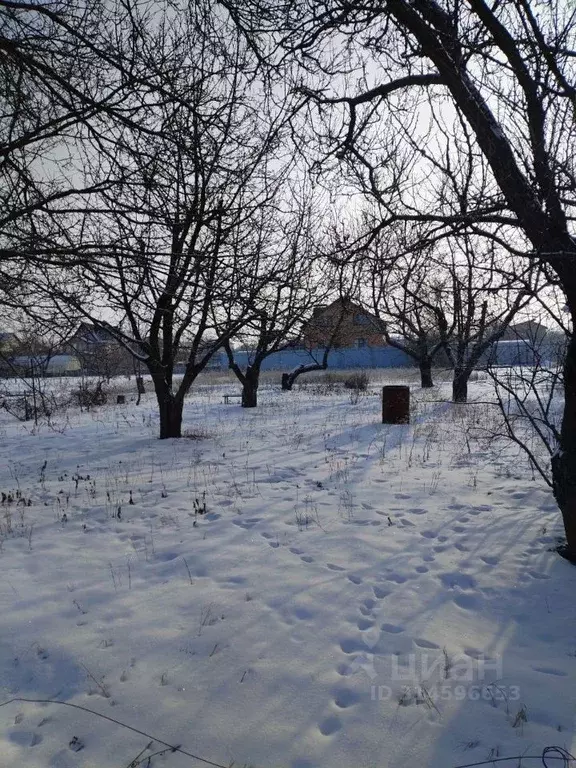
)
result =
(528, 329)
(347, 307)
(92, 334)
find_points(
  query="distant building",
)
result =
(44, 365)
(100, 353)
(529, 330)
(343, 323)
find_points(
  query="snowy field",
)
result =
(293, 586)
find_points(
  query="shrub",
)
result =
(358, 381)
(88, 396)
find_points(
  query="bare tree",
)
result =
(63, 80)
(402, 285)
(290, 285)
(479, 299)
(508, 71)
(163, 259)
(528, 384)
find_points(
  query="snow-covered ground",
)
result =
(354, 595)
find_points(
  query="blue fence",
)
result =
(503, 353)
(524, 352)
(342, 358)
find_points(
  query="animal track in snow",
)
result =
(380, 592)
(393, 629)
(364, 624)
(456, 579)
(351, 645)
(250, 522)
(421, 643)
(467, 602)
(344, 698)
(302, 613)
(398, 578)
(330, 725)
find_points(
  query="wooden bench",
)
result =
(229, 395)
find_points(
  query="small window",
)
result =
(361, 343)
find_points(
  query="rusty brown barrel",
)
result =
(396, 404)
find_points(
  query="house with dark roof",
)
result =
(100, 353)
(528, 330)
(343, 323)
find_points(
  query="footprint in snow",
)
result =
(490, 559)
(456, 579)
(467, 602)
(380, 592)
(354, 579)
(344, 698)
(330, 725)
(351, 645)
(334, 567)
(393, 629)
(307, 559)
(25, 738)
(364, 624)
(428, 644)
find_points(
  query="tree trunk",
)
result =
(170, 417)
(249, 395)
(426, 374)
(460, 385)
(564, 461)
(250, 387)
(170, 409)
(289, 379)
